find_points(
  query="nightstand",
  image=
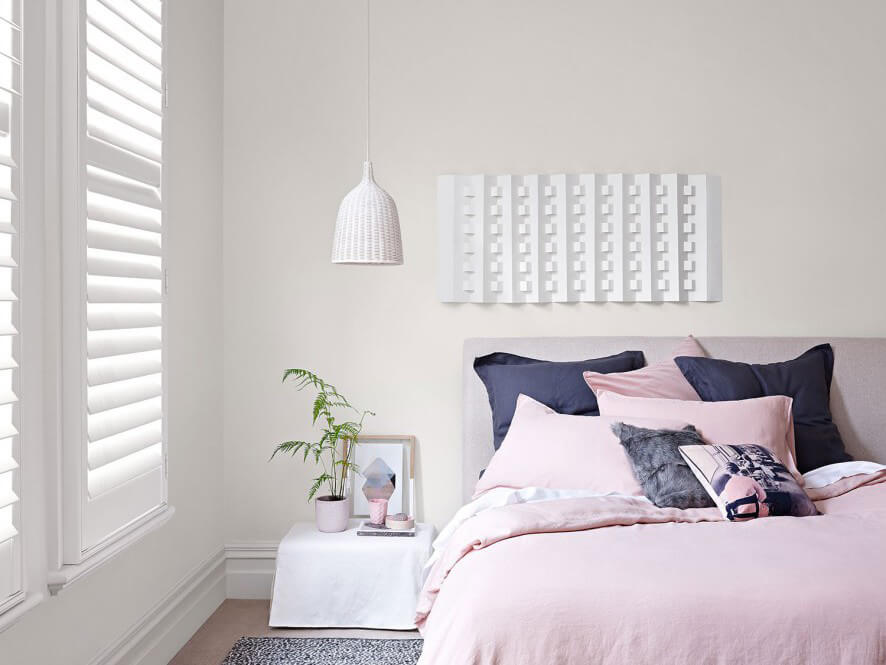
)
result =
(342, 580)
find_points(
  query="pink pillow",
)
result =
(765, 421)
(663, 379)
(544, 448)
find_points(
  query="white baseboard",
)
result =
(250, 569)
(165, 628)
(240, 570)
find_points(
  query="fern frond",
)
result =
(321, 407)
(349, 430)
(318, 481)
(338, 403)
(304, 378)
(345, 464)
(290, 447)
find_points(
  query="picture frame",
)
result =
(395, 453)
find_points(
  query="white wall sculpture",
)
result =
(579, 238)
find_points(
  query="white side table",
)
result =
(342, 580)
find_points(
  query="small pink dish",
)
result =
(399, 525)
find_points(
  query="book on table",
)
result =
(367, 528)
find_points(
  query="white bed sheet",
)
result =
(825, 475)
(496, 498)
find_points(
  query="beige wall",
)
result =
(783, 99)
(96, 611)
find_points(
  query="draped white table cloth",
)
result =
(342, 580)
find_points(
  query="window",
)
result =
(10, 151)
(114, 452)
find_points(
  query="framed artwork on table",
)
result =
(385, 469)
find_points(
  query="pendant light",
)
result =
(367, 229)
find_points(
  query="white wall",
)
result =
(96, 611)
(782, 98)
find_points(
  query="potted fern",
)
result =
(333, 451)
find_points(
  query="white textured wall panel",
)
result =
(579, 238)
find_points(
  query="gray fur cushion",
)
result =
(662, 472)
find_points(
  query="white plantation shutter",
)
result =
(123, 477)
(10, 138)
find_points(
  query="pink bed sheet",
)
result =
(614, 580)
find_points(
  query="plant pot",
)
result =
(332, 513)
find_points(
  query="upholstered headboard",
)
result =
(858, 393)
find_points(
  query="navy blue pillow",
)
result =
(806, 379)
(559, 385)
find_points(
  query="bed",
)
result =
(607, 579)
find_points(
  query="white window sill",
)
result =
(59, 579)
(11, 615)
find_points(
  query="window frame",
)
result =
(50, 174)
(16, 130)
(35, 321)
(76, 558)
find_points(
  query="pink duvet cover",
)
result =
(614, 580)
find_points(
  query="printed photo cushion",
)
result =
(807, 379)
(662, 379)
(766, 420)
(544, 448)
(747, 481)
(558, 384)
(662, 472)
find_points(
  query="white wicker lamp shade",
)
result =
(367, 229)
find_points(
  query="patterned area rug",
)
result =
(323, 651)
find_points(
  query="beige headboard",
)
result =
(858, 394)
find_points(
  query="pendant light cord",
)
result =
(368, 71)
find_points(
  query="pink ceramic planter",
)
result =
(332, 514)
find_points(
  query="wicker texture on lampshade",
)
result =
(367, 229)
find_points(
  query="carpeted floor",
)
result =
(237, 618)
(323, 651)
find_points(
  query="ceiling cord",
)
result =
(368, 71)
